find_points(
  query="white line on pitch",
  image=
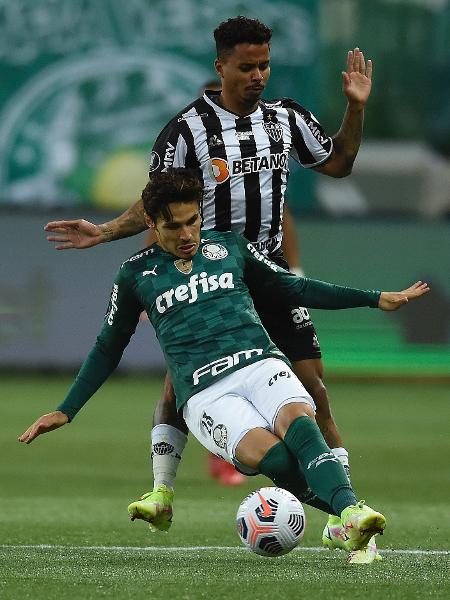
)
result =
(193, 549)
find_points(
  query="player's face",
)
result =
(181, 235)
(245, 72)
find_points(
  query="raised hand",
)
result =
(395, 300)
(44, 424)
(357, 79)
(75, 234)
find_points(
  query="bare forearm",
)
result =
(129, 223)
(348, 139)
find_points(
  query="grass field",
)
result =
(65, 531)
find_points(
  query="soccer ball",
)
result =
(270, 521)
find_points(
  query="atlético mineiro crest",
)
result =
(214, 251)
(184, 266)
(273, 130)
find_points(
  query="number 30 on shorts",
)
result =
(299, 315)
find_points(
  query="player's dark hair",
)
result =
(174, 185)
(240, 30)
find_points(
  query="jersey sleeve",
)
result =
(174, 147)
(262, 276)
(119, 325)
(311, 146)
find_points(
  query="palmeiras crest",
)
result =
(273, 130)
(220, 436)
(184, 266)
(214, 251)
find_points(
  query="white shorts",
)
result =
(251, 397)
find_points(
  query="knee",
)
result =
(289, 413)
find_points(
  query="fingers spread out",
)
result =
(57, 238)
(356, 59)
(416, 290)
(23, 437)
(63, 242)
(357, 63)
(362, 63)
(56, 229)
(55, 225)
(30, 434)
(65, 246)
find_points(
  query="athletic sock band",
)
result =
(342, 455)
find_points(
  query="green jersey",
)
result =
(202, 312)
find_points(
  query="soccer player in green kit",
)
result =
(233, 386)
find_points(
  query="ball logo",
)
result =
(214, 251)
(218, 168)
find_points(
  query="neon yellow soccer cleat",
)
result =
(360, 523)
(334, 537)
(366, 555)
(154, 507)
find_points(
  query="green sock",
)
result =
(323, 471)
(279, 465)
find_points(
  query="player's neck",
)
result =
(232, 105)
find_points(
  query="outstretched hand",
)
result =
(357, 79)
(75, 234)
(394, 300)
(44, 424)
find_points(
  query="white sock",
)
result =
(167, 447)
(342, 455)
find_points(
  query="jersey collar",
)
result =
(212, 97)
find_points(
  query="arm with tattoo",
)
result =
(83, 234)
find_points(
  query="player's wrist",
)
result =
(106, 233)
(355, 107)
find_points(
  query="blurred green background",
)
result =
(83, 96)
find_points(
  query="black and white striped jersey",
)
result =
(243, 160)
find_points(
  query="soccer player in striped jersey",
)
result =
(241, 144)
(233, 386)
